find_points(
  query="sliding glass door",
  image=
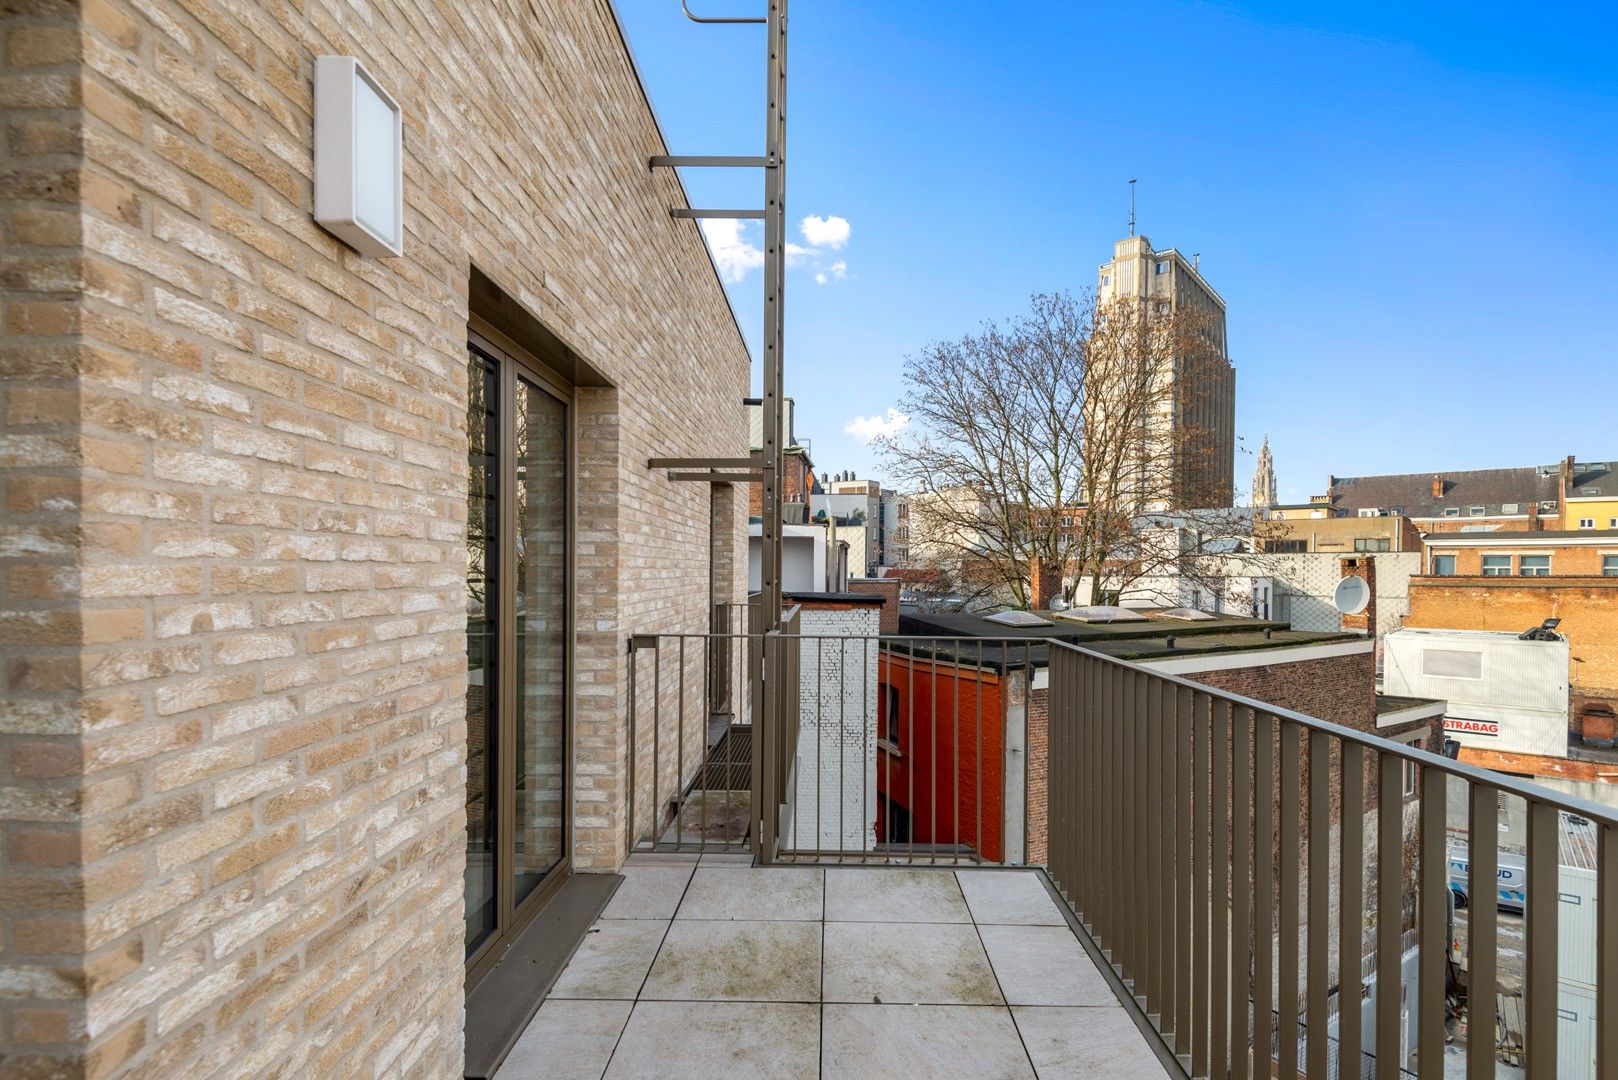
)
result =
(519, 643)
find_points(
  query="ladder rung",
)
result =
(679, 213)
(712, 161)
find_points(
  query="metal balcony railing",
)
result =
(1228, 859)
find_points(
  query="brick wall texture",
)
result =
(232, 741)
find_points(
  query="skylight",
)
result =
(1102, 613)
(1017, 618)
(1188, 614)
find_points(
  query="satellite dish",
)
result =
(1353, 595)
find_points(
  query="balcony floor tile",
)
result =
(894, 963)
(1044, 965)
(894, 894)
(567, 1040)
(701, 1040)
(1081, 1043)
(649, 892)
(1015, 897)
(946, 1042)
(612, 961)
(737, 961)
(775, 893)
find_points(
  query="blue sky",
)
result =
(1411, 210)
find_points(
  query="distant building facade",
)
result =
(1263, 494)
(1202, 421)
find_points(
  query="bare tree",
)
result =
(1048, 439)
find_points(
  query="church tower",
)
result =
(1264, 478)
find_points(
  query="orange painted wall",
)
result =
(949, 772)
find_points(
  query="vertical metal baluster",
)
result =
(631, 841)
(657, 745)
(842, 728)
(1433, 934)
(867, 751)
(1241, 902)
(1027, 714)
(1389, 911)
(1128, 922)
(1606, 952)
(1184, 1025)
(932, 752)
(679, 752)
(977, 692)
(955, 759)
(1539, 989)
(1219, 930)
(1318, 957)
(1351, 911)
(1167, 699)
(1264, 895)
(1151, 858)
(910, 751)
(1201, 903)
(1145, 932)
(1291, 896)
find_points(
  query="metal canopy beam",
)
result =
(750, 477)
(710, 161)
(681, 212)
(703, 463)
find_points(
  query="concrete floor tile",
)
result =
(897, 963)
(649, 891)
(737, 961)
(891, 894)
(567, 1040)
(702, 1040)
(1082, 1043)
(945, 1042)
(1044, 965)
(1015, 897)
(763, 893)
(612, 961)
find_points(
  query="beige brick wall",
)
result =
(232, 739)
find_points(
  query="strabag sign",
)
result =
(1462, 726)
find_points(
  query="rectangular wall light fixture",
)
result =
(359, 158)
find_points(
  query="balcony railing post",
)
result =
(1351, 912)
(1389, 912)
(1319, 930)
(1219, 930)
(1201, 903)
(1539, 989)
(1241, 905)
(1264, 894)
(1433, 939)
(1184, 1025)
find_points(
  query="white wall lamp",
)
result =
(359, 158)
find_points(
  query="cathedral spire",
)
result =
(1264, 478)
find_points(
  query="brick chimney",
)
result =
(1044, 584)
(1438, 486)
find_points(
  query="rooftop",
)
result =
(710, 967)
(1493, 489)
(1146, 639)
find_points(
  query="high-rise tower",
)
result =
(1201, 421)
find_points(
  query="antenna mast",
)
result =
(1132, 206)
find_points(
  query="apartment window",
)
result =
(1534, 566)
(1609, 566)
(1476, 511)
(1106, 279)
(1443, 566)
(1587, 523)
(1372, 544)
(1067, 521)
(1452, 511)
(1396, 511)
(1497, 566)
(1369, 511)
(1162, 268)
(1612, 523)
(1289, 547)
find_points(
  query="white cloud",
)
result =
(733, 253)
(869, 428)
(837, 271)
(797, 253)
(825, 232)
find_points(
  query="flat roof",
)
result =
(1144, 640)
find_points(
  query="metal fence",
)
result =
(1191, 828)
